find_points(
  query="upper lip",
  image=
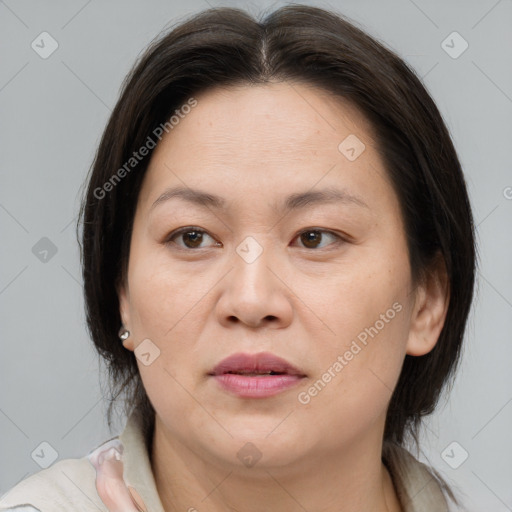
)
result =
(262, 362)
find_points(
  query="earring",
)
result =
(124, 333)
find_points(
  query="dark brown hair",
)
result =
(224, 47)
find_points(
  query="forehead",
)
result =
(282, 114)
(277, 133)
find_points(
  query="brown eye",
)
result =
(312, 238)
(191, 238)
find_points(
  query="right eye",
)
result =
(191, 238)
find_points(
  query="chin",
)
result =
(256, 448)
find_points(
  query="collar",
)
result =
(137, 466)
(418, 488)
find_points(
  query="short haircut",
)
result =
(222, 47)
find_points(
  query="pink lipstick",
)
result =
(256, 375)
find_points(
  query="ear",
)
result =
(430, 308)
(124, 302)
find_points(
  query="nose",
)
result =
(256, 294)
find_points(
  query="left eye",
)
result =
(312, 238)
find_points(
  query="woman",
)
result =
(278, 260)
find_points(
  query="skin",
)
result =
(253, 146)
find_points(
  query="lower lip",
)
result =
(256, 387)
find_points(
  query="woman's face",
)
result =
(302, 255)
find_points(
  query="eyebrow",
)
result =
(295, 201)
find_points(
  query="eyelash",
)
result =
(175, 234)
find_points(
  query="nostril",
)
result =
(269, 318)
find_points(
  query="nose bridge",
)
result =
(253, 293)
(251, 262)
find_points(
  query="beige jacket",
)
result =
(69, 484)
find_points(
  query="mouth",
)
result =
(256, 375)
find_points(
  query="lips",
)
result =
(255, 376)
(263, 364)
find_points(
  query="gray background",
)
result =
(53, 112)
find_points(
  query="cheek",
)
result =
(366, 305)
(169, 305)
(164, 303)
(352, 390)
(162, 295)
(355, 293)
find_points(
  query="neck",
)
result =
(353, 480)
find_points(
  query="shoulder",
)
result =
(66, 485)
(70, 484)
